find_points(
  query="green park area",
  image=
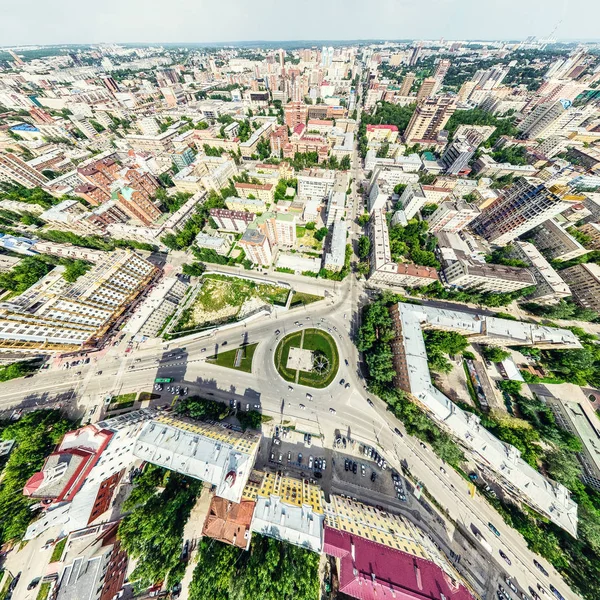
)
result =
(223, 299)
(239, 359)
(321, 365)
(302, 299)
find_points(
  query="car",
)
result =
(289, 456)
(98, 372)
(534, 594)
(342, 381)
(346, 464)
(354, 467)
(224, 343)
(473, 476)
(203, 350)
(540, 567)
(373, 475)
(443, 471)
(494, 530)
(505, 557)
(247, 407)
(332, 411)
(309, 396)
(397, 432)
(299, 457)
(323, 464)
(318, 475)
(301, 406)
(510, 584)
(423, 445)
(556, 592)
(290, 388)
(33, 583)
(277, 332)
(49, 543)
(542, 590)
(280, 458)
(363, 470)
(232, 403)
(185, 390)
(346, 361)
(347, 386)
(272, 456)
(13, 583)
(370, 402)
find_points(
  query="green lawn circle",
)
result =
(314, 339)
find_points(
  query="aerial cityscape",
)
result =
(300, 320)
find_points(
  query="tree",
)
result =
(199, 408)
(564, 468)
(495, 354)
(345, 163)
(364, 246)
(399, 188)
(310, 226)
(364, 219)
(194, 269)
(321, 234)
(21, 277)
(383, 150)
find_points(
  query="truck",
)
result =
(163, 380)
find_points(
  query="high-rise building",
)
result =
(110, 84)
(525, 204)
(280, 228)
(256, 246)
(466, 89)
(584, 282)
(296, 113)
(407, 83)
(452, 217)
(456, 157)
(428, 88)
(15, 170)
(53, 315)
(415, 56)
(441, 70)
(554, 118)
(136, 204)
(429, 119)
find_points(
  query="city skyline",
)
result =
(231, 22)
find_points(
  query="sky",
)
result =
(203, 21)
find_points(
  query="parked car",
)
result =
(506, 559)
(540, 567)
(494, 530)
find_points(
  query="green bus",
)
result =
(163, 380)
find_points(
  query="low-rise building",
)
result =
(231, 220)
(468, 275)
(245, 204)
(486, 166)
(386, 271)
(336, 207)
(220, 244)
(291, 510)
(215, 454)
(592, 230)
(315, 183)
(549, 286)
(382, 133)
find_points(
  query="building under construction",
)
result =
(57, 316)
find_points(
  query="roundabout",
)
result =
(308, 357)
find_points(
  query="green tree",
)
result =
(364, 246)
(321, 234)
(364, 219)
(194, 269)
(495, 354)
(75, 269)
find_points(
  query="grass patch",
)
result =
(43, 591)
(227, 359)
(58, 550)
(4, 590)
(122, 402)
(317, 341)
(300, 298)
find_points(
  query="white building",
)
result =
(336, 207)
(335, 258)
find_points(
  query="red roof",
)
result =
(374, 127)
(299, 128)
(371, 571)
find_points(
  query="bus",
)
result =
(163, 380)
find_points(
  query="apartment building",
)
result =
(549, 286)
(383, 269)
(231, 220)
(215, 171)
(136, 204)
(94, 565)
(249, 148)
(291, 510)
(413, 198)
(452, 216)
(456, 157)
(468, 275)
(554, 118)
(334, 259)
(69, 215)
(519, 208)
(54, 315)
(382, 133)
(584, 282)
(427, 88)
(592, 230)
(221, 244)
(245, 205)
(429, 119)
(486, 166)
(336, 207)
(264, 192)
(280, 228)
(315, 183)
(15, 170)
(295, 113)
(256, 247)
(92, 194)
(78, 480)
(555, 241)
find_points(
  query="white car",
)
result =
(332, 411)
(308, 396)
(302, 407)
